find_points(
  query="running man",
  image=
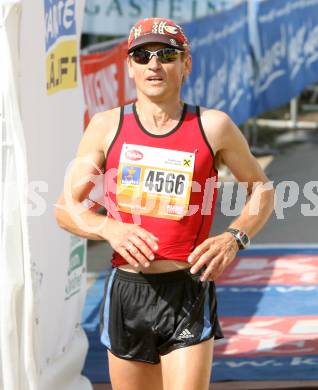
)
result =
(159, 316)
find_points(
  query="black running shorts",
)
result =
(147, 315)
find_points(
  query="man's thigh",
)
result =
(133, 375)
(188, 368)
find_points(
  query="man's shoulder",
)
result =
(102, 128)
(214, 116)
(106, 119)
(217, 126)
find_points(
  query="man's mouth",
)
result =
(154, 78)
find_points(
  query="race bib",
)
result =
(153, 181)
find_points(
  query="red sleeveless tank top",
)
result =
(177, 237)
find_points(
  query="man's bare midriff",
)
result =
(157, 266)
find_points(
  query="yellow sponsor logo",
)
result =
(61, 67)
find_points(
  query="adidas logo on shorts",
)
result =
(185, 334)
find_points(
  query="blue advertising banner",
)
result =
(59, 20)
(309, 47)
(222, 74)
(271, 300)
(249, 59)
(60, 45)
(288, 51)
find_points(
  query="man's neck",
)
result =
(159, 115)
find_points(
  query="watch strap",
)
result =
(241, 238)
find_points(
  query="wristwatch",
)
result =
(241, 238)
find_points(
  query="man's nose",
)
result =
(154, 62)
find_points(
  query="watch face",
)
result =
(241, 238)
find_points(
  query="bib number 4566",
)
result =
(171, 183)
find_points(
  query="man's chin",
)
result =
(155, 92)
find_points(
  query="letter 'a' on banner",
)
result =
(42, 268)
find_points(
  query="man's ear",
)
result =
(130, 68)
(188, 65)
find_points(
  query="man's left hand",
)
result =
(217, 253)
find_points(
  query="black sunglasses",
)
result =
(164, 55)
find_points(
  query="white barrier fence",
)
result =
(17, 338)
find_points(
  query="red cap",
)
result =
(157, 30)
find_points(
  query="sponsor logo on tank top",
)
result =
(134, 155)
(175, 210)
(131, 175)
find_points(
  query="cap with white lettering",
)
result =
(157, 30)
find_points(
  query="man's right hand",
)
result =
(135, 244)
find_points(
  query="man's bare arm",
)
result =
(226, 140)
(131, 241)
(70, 212)
(69, 224)
(236, 155)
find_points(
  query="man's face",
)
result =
(156, 80)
